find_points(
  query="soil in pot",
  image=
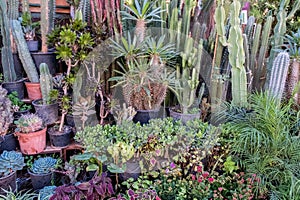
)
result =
(8, 182)
(60, 139)
(39, 181)
(32, 143)
(33, 90)
(184, 117)
(8, 142)
(48, 112)
(17, 86)
(143, 116)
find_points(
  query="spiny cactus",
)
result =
(279, 74)
(44, 24)
(45, 82)
(10, 161)
(43, 165)
(13, 9)
(29, 123)
(85, 7)
(6, 53)
(5, 112)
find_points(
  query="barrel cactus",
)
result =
(43, 165)
(10, 161)
(5, 112)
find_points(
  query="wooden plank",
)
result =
(61, 6)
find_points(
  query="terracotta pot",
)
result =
(32, 143)
(33, 90)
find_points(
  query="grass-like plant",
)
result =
(21, 195)
(267, 144)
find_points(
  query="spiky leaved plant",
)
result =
(5, 112)
(143, 15)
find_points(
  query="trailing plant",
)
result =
(11, 161)
(43, 165)
(29, 123)
(5, 112)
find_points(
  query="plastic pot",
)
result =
(17, 86)
(32, 143)
(33, 45)
(60, 139)
(39, 181)
(8, 182)
(143, 116)
(33, 90)
(184, 117)
(48, 112)
(48, 58)
(18, 114)
(9, 142)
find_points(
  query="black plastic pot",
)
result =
(48, 58)
(69, 120)
(9, 142)
(39, 181)
(184, 117)
(8, 183)
(17, 86)
(33, 45)
(18, 114)
(143, 116)
(48, 112)
(60, 139)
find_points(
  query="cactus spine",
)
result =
(6, 53)
(279, 74)
(23, 51)
(45, 82)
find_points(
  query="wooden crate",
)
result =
(61, 6)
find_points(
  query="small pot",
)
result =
(33, 90)
(33, 45)
(8, 142)
(39, 181)
(60, 139)
(8, 183)
(18, 114)
(32, 143)
(17, 86)
(49, 58)
(184, 117)
(48, 112)
(143, 116)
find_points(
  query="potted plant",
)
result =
(7, 62)
(29, 31)
(31, 134)
(7, 141)
(19, 107)
(41, 172)
(47, 107)
(10, 162)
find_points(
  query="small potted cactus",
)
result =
(31, 134)
(41, 172)
(7, 141)
(47, 107)
(10, 162)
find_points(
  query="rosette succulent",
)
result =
(5, 112)
(10, 161)
(43, 165)
(29, 123)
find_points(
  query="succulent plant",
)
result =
(5, 112)
(47, 192)
(43, 165)
(29, 123)
(10, 161)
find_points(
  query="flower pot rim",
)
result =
(37, 103)
(17, 81)
(171, 109)
(59, 132)
(34, 174)
(9, 175)
(31, 133)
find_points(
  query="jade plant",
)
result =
(43, 165)
(5, 112)
(10, 161)
(29, 123)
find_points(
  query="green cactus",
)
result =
(52, 11)
(24, 53)
(85, 7)
(43, 165)
(13, 9)
(6, 53)
(45, 82)
(279, 74)
(44, 24)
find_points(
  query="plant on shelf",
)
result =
(5, 112)
(17, 104)
(29, 123)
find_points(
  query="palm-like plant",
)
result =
(142, 14)
(266, 143)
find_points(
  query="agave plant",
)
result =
(143, 15)
(10, 161)
(43, 165)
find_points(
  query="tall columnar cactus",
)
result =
(52, 11)
(279, 74)
(5, 112)
(13, 9)
(45, 82)
(44, 24)
(23, 51)
(6, 53)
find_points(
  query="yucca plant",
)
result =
(143, 14)
(267, 144)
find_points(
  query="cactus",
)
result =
(279, 74)
(85, 7)
(43, 165)
(5, 112)
(45, 82)
(6, 53)
(44, 24)
(24, 53)
(52, 11)
(13, 9)
(29, 123)
(10, 161)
